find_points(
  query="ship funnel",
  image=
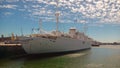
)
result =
(72, 32)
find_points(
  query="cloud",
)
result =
(53, 3)
(7, 13)
(9, 6)
(21, 9)
(103, 11)
(36, 6)
(1, 1)
(81, 21)
(95, 25)
(11, 0)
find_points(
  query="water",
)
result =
(97, 57)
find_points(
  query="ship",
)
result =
(56, 41)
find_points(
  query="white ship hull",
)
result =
(61, 44)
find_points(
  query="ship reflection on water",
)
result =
(97, 57)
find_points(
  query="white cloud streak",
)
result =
(7, 13)
(11, 0)
(8, 6)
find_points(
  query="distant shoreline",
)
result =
(114, 43)
(110, 46)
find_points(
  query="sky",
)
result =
(100, 17)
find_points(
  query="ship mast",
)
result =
(57, 17)
(21, 31)
(85, 28)
(40, 27)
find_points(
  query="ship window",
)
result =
(53, 41)
(83, 42)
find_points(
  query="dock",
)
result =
(2, 44)
(8, 50)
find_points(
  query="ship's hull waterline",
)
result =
(39, 45)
